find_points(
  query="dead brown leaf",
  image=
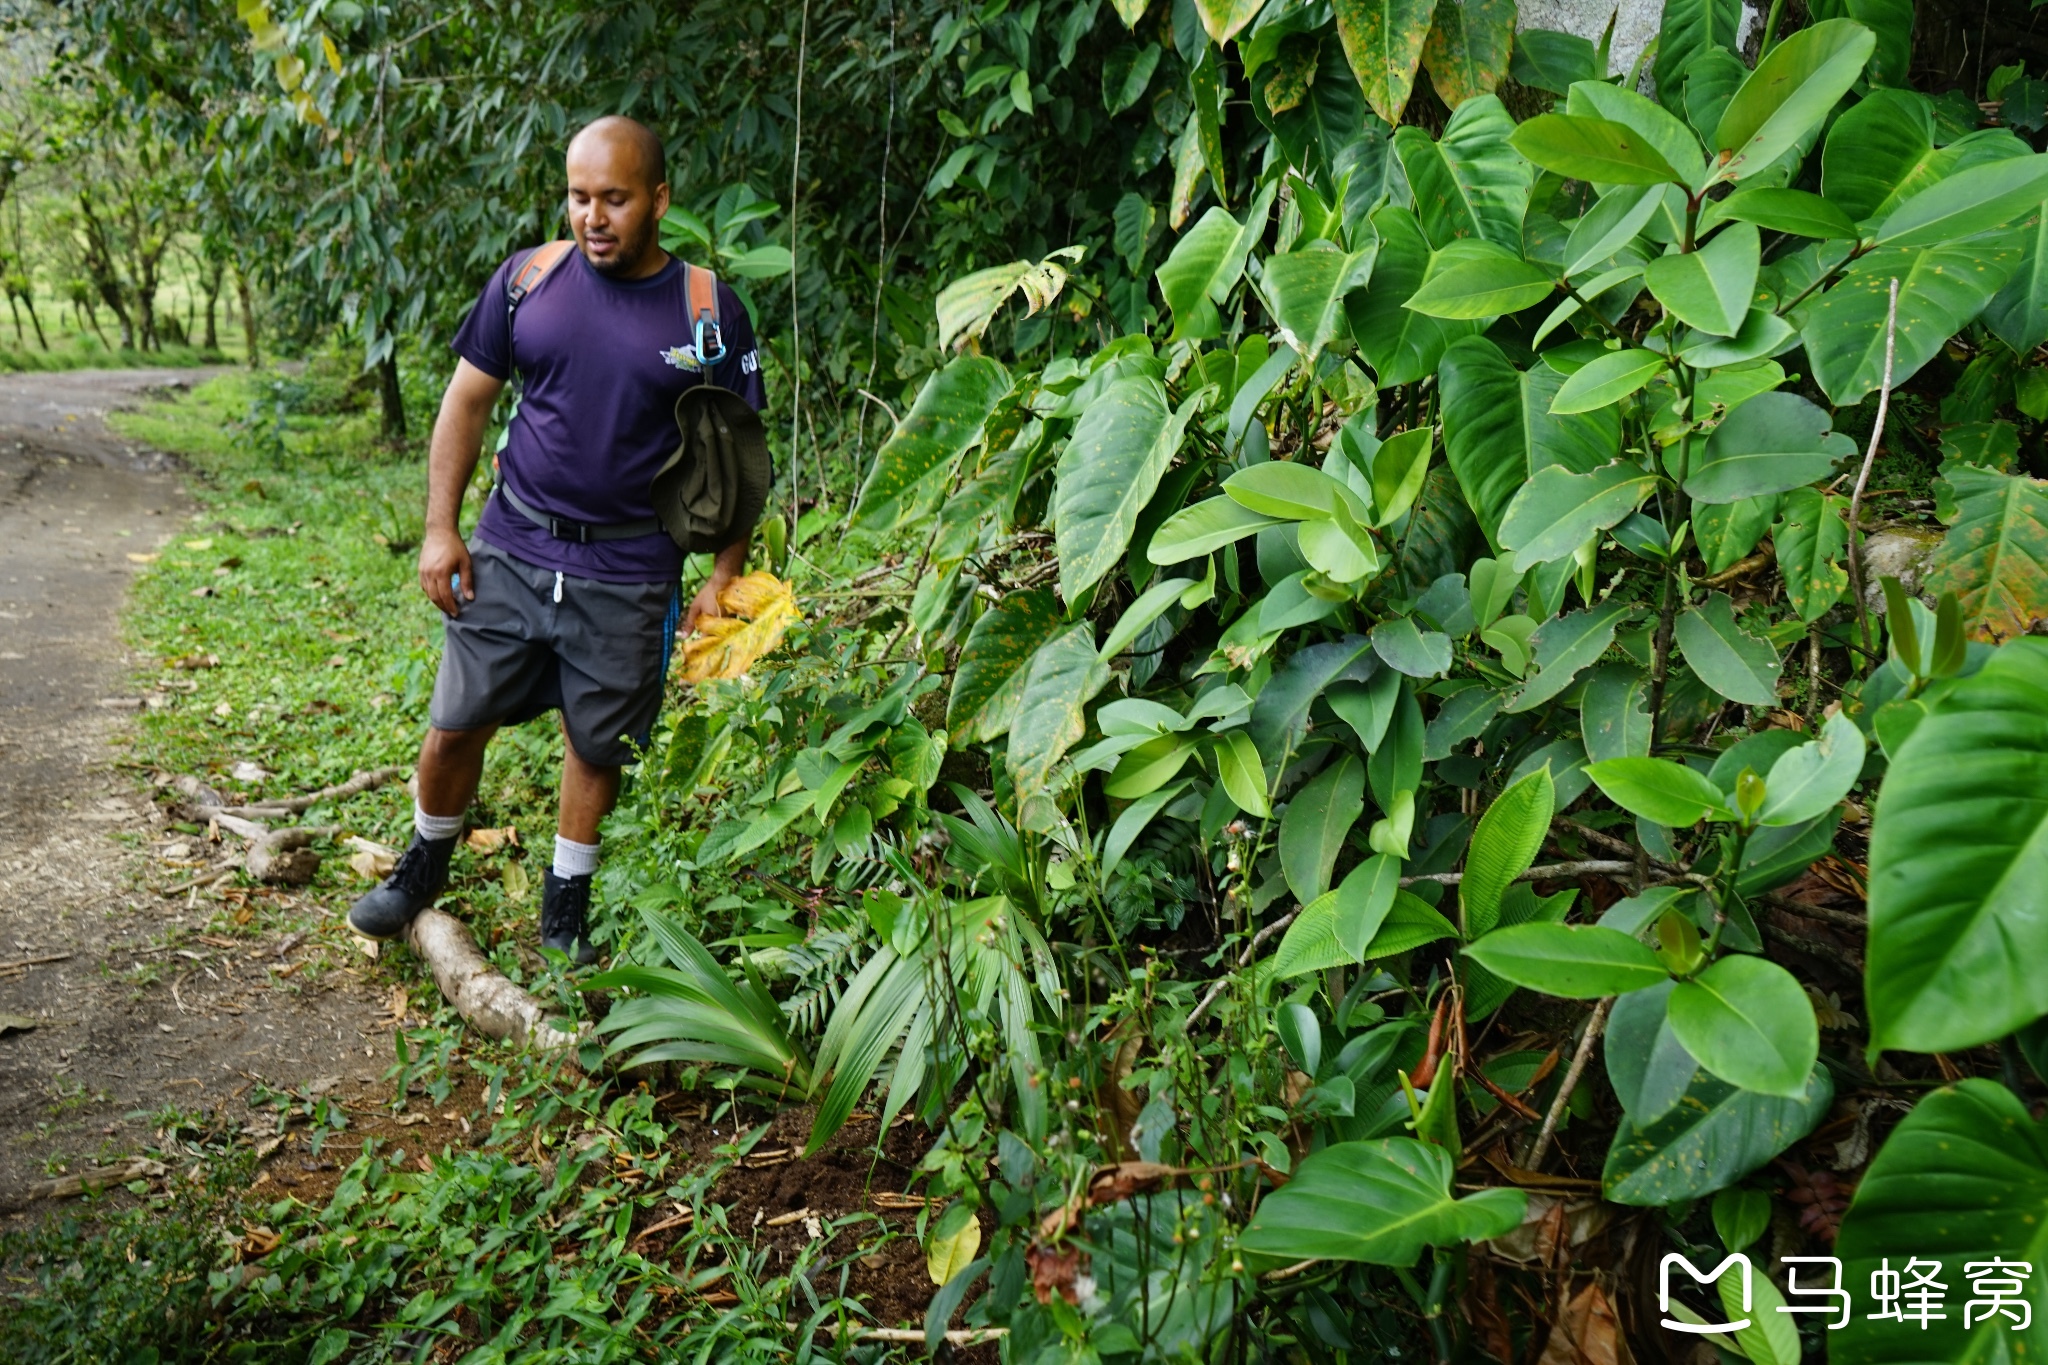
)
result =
(1053, 1271)
(1586, 1333)
(1114, 1184)
(491, 840)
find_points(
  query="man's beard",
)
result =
(625, 259)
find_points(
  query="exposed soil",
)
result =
(132, 1010)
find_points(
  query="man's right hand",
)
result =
(442, 556)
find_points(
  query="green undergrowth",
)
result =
(281, 625)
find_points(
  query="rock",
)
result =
(293, 867)
(1899, 552)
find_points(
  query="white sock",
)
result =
(573, 859)
(435, 826)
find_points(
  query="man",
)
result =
(567, 598)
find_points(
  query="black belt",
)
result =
(582, 532)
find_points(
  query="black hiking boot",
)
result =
(413, 885)
(564, 905)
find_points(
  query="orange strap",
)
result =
(536, 267)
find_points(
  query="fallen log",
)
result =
(490, 1003)
(282, 857)
(104, 1177)
(270, 810)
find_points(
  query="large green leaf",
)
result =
(1749, 1023)
(1290, 491)
(1810, 779)
(1223, 20)
(1967, 203)
(1646, 1064)
(1400, 344)
(1470, 182)
(1607, 379)
(1609, 226)
(1334, 929)
(1595, 149)
(2018, 314)
(1690, 28)
(1810, 541)
(1280, 713)
(1383, 42)
(1798, 212)
(1304, 290)
(1313, 828)
(1564, 647)
(1557, 510)
(1545, 59)
(1615, 721)
(1577, 961)
(1208, 525)
(1660, 791)
(1383, 1202)
(988, 680)
(1726, 657)
(1063, 677)
(1205, 265)
(1891, 21)
(1959, 865)
(1715, 1135)
(1499, 430)
(1711, 288)
(1941, 288)
(1108, 472)
(1963, 1182)
(1407, 648)
(1242, 773)
(1789, 93)
(944, 424)
(1469, 280)
(1771, 443)
(1881, 153)
(1467, 50)
(1995, 557)
(1661, 129)
(1503, 845)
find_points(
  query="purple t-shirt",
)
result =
(603, 362)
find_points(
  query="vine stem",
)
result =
(1884, 402)
(1541, 1146)
(796, 333)
(1243, 961)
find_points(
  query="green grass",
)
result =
(296, 573)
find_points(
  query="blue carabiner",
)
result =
(703, 358)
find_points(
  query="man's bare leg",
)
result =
(451, 764)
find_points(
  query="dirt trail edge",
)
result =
(111, 1007)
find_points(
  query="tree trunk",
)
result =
(35, 321)
(248, 316)
(212, 278)
(394, 400)
(20, 337)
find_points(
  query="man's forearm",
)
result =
(451, 461)
(731, 562)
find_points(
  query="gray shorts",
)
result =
(597, 652)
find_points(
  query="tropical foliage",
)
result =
(1370, 604)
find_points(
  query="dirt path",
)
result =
(137, 1012)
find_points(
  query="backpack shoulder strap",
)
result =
(534, 269)
(701, 287)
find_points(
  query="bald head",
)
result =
(630, 138)
(618, 191)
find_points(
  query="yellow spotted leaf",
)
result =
(758, 609)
